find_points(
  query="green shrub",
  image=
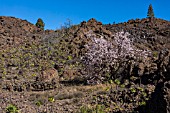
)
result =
(143, 103)
(140, 89)
(39, 103)
(51, 99)
(93, 109)
(70, 57)
(11, 109)
(155, 54)
(122, 86)
(117, 82)
(133, 90)
(84, 109)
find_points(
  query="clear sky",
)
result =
(55, 12)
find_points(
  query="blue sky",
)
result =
(55, 12)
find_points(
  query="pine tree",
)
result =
(40, 23)
(150, 13)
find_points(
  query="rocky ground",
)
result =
(43, 71)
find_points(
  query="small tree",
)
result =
(150, 13)
(40, 23)
(107, 58)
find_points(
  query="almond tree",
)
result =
(105, 57)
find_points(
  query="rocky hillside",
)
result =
(88, 67)
(152, 33)
(14, 31)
